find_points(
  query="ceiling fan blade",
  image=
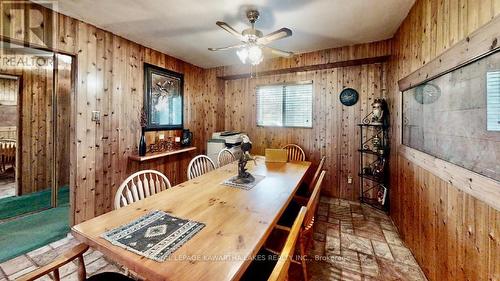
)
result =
(226, 48)
(231, 30)
(276, 35)
(279, 52)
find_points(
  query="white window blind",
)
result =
(493, 100)
(288, 105)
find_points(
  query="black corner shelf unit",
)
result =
(373, 160)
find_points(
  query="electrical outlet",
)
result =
(96, 116)
(161, 136)
(349, 179)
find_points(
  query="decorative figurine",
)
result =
(378, 168)
(376, 142)
(244, 177)
(378, 112)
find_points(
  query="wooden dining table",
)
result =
(237, 221)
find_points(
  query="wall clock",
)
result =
(427, 93)
(349, 97)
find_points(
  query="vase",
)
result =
(142, 145)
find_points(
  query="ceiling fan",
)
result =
(253, 41)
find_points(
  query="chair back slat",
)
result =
(280, 271)
(316, 174)
(123, 201)
(157, 184)
(312, 204)
(295, 152)
(225, 157)
(150, 184)
(129, 197)
(137, 187)
(200, 165)
(140, 189)
(135, 193)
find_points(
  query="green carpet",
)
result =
(16, 205)
(33, 231)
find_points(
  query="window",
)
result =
(288, 105)
(493, 100)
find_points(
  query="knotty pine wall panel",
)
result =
(453, 235)
(110, 76)
(334, 132)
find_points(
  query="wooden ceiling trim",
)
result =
(316, 67)
(478, 186)
(482, 42)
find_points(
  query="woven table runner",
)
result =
(155, 235)
(246, 186)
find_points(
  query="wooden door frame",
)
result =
(72, 112)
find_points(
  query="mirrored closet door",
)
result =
(34, 130)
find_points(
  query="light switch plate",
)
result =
(96, 116)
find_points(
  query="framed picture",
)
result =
(163, 98)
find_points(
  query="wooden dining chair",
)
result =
(225, 157)
(7, 154)
(305, 190)
(295, 152)
(140, 185)
(306, 233)
(200, 165)
(274, 267)
(74, 253)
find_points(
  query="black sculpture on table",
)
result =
(243, 175)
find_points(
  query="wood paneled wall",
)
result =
(453, 235)
(110, 79)
(334, 133)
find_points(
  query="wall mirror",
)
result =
(456, 116)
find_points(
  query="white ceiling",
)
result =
(186, 28)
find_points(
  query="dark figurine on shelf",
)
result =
(244, 177)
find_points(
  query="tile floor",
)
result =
(351, 242)
(357, 242)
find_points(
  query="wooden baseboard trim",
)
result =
(480, 187)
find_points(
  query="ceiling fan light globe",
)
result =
(242, 54)
(255, 55)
